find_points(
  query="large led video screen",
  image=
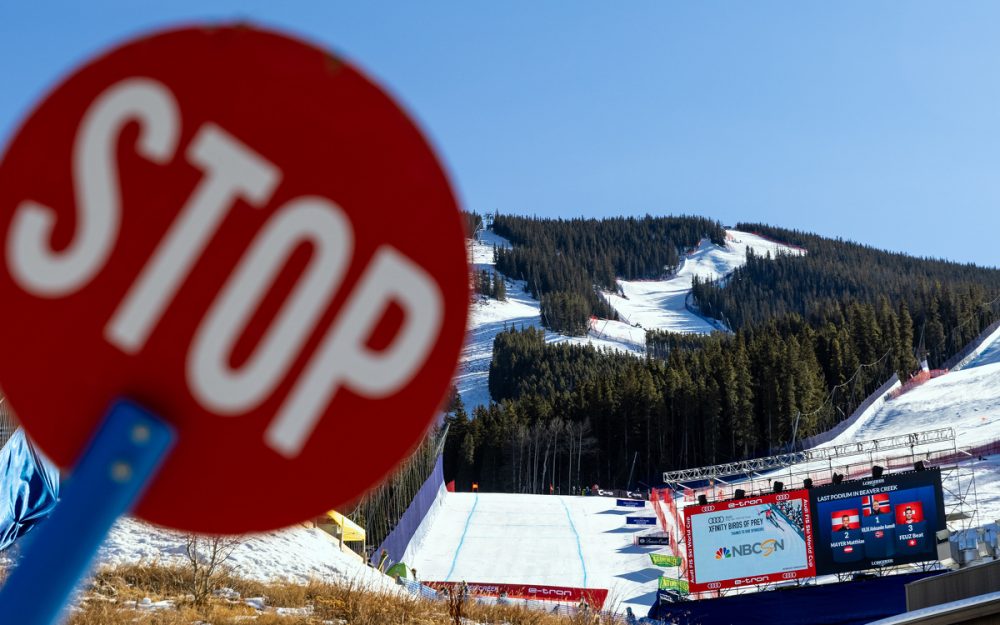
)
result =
(876, 522)
(743, 542)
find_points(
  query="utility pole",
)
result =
(628, 484)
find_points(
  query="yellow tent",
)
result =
(350, 530)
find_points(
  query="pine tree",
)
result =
(934, 337)
(744, 428)
(906, 362)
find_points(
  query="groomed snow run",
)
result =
(488, 317)
(657, 304)
(295, 554)
(554, 540)
(661, 304)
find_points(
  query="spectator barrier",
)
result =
(426, 500)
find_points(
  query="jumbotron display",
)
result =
(742, 542)
(876, 522)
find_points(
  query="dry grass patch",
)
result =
(350, 604)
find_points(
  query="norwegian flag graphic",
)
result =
(874, 505)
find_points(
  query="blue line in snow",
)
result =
(579, 548)
(468, 520)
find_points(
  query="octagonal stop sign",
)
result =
(244, 235)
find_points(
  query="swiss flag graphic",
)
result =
(909, 513)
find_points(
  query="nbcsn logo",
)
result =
(723, 552)
(763, 548)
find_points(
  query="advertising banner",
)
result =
(668, 596)
(618, 492)
(877, 522)
(640, 520)
(749, 541)
(631, 503)
(594, 597)
(663, 560)
(670, 583)
(652, 539)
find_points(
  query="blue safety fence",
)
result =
(418, 589)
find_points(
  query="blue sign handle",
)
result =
(106, 482)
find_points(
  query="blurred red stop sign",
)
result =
(244, 234)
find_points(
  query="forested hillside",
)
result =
(473, 222)
(949, 303)
(813, 335)
(564, 262)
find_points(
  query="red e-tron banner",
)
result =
(742, 542)
(594, 597)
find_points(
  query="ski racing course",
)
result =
(550, 540)
(647, 305)
(489, 317)
(584, 541)
(966, 400)
(664, 305)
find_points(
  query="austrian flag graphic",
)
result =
(844, 520)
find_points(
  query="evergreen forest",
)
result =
(566, 262)
(812, 335)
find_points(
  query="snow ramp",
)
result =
(551, 540)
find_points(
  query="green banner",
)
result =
(669, 583)
(397, 570)
(662, 560)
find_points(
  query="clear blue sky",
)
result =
(874, 121)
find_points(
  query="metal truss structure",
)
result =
(912, 442)
(961, 507)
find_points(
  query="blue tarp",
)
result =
(397, 540)
(29, 488)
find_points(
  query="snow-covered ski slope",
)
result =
(660, 304)
(657, 304)
(541, 539)
(296, 554)
(967, 400)
(553, 540)
(488, 317)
